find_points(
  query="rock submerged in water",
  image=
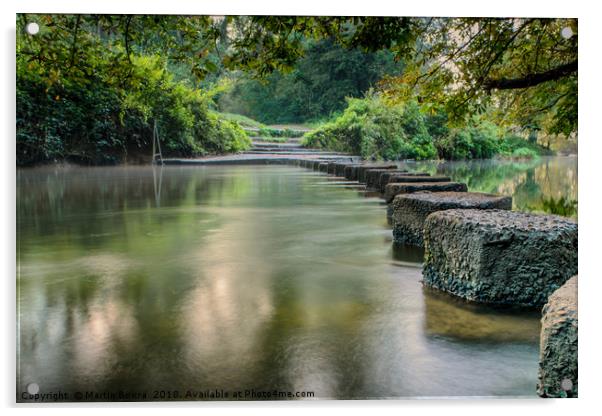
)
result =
(409, 211)
(397, 188)
(558, 343)
(499, 257)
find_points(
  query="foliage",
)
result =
(375, 128)
(521, 67)
(478, 140)
(524, 153)
(272, 132)
(561, 206)
(524, 69)
(82, 91)
(244, 121)
(316, 87)
(371, 128)
(90, 106)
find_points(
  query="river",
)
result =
(254, 279)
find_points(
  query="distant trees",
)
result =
(314, 88)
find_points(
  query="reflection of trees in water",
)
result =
(548, 184)
(447, 316)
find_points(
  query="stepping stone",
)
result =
(323, 167)
(373, 176)
(393, 189)
(350, 172)
(387, 178)
(410, 210)
(339, 169)
(499, 257)
(361, 171)
(331, 168)
(558, 343)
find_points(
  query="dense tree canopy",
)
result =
(523, 70)
(517, 72)
(316, 86)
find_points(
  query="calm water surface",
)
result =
(252, 278)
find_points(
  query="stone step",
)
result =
(499, 257)
(283, 149)
(409, 211)
(284, 152)
(397, 188)
(559, 343)
(277, 145)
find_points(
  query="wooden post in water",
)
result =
(158, 145)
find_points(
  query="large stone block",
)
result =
(409, 177)
(558, 343)
(410, 210)
(361, 171)
(499, 257)
(323, 167)
(350, 172)
(330, 168)
(397, 188)
(316, 164)
(373, 177)
(339, 168)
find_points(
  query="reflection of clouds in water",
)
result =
(223, 316)
(308, 363)
(80, 322)
(98, 335)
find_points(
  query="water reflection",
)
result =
(455, 319)
(535, 185)
(267, 277)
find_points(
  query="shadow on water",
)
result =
(405, 253)
(453, 318)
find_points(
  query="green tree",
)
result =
(315, 88)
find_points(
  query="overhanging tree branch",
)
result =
(531, 80)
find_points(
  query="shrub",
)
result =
(375, 130)
(524, 153)
(478, 140)
(101, 119)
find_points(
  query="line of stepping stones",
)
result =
(476, 248)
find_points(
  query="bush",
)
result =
(524, 153)
(478, 140)
(101, 120)
(375, 130)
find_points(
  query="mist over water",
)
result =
(253, 277)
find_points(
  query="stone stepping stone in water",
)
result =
(339, 168)
(396, 188)
(350, 172)
(499, 257)
(362, 169)
(409, 211)
(387, 178)
(373, 176)
(558, 349)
